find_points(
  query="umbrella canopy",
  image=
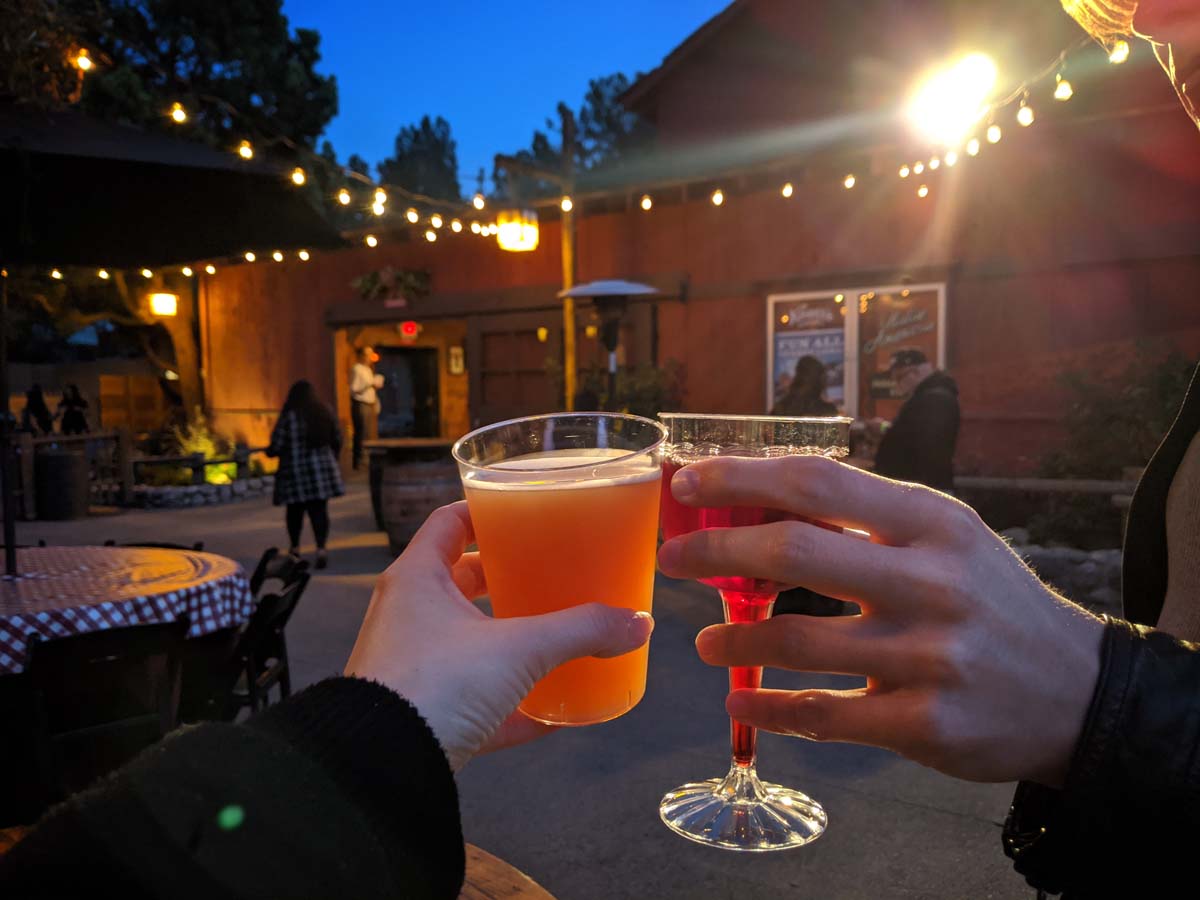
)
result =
(74, 191)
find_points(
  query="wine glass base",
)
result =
(739, 812)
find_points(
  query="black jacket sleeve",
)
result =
(1127, 821)
(341, 791)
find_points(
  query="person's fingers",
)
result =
(794, 553)
(592, 629)
(848, 645)
(893, 512)
(852, 717)
(469, 577)
(442, 538)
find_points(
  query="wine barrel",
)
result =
(410, 491)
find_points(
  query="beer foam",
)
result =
(561, 469)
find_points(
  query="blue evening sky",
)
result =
(495, 71)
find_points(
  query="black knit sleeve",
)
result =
(341, 791)
(1128, 818)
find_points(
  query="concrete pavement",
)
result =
(578, 810)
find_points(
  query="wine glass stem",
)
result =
(741, 607)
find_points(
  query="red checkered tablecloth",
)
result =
(73, 590)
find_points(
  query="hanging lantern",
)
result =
(517, 230)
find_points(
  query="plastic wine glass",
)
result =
(740, 812)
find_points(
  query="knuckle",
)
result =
(810, 716)
(807, 478)
(790, 542)
(947, 663)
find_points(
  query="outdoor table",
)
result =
(491, 878)
(74, 590)
(382, 451)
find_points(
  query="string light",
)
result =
(435, 220)
(566, 204)
(147, 274)
(948, 103)
(343, 197)
(83, 62)
(210, 269)
(103, 274)
(411, 215)
(298, 176)
(249, 256)
(1062, 88)
(303, 254)
(973, 147)
(277, 256)
(178, 113)
(371, 241)
(918, 168)
(56, 275)
(647, 203)
(934, 164)
(718, 197)
(1119, 52)
(477, 201)
(787, 190)
(475, 229)
(838, 298)
(187, 271)
(848, 181)
(455, 226)
(994, 134)
(431, 235)
(904, 170)
(246, 150)
(951, 157)
(378, 208)
(1025, 116)
(923, 191)
(380, 195)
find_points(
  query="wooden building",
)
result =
(1059, 247)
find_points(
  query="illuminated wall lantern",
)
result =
(164, 304)
(409, 330)
(543, 334)
(517, 230)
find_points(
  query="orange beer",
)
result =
(558, 529)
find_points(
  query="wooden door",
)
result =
(510, 358)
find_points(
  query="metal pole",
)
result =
(6, 484)
(568, 259)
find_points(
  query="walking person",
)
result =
(307, 440)
(364, 402)
(73, 410)
(36, 415)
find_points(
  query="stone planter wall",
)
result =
(1089, 578)
(149, 497)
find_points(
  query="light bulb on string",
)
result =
(475, 228)
(412, 215)
(923, 191)
(371, 241)
(56, 275)
(918, 168)
(455, 226)
(904, 171)
(343, 197)
(994, 134)
(477, 201)
(147, 274)
(646, 203)
(210, 269)
(378, 208)
(249, 256)
(566, 204)
(1062, 88)
(950, 158)
(1119, 52)
(436, 221)
(298, 177)
(187, 272)
(848, 182)
(718, 197)
(787, 190)
(304, 255)
(83, 62)
(103, 275)
(245, 150)
(380, 195)
(973, 147)
(1025, 115)
(277, 256)
(430, 235)
(178, 113)
(935, 163)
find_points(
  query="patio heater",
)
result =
(611, 299)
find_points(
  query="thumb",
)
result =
(544, 642)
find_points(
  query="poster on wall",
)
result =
(890, 320)
(808, 327)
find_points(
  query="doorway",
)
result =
(409, 398)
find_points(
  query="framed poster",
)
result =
(807, 326)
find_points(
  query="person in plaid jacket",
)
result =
(307, 440)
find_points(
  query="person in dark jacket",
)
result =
(347, 788)
(73, 410)
(36, 415)
(307, 440)
(806, 394)
(919, 445)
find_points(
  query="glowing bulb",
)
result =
(787, 190)
(56, 275)
(303, 254)
(1025, 116)
(477, 200)
(380, 195)
(994, 134)
(297, 176)
(187, 271)
(178, 113)
(435, 220)
(951, 157)
(934, 164)
(431, 235)
(1063, 90)
(1118, 54)
(848, 181)
(918, 168)
(475, 229)
(973, 147)
(923, 191)
(277, 256)
(84, 62)
(945, 106)
(838, 298)
(103, 274)
(245, 150)
(411, 215)
(566, 204)
(455, 226)
(718, 197)
(249, 256)
(371, 241)
(904, 170)
(378, 208)
(146, 273)
(164, 304)
(343, 197)
(647, 203)
(210, 269)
